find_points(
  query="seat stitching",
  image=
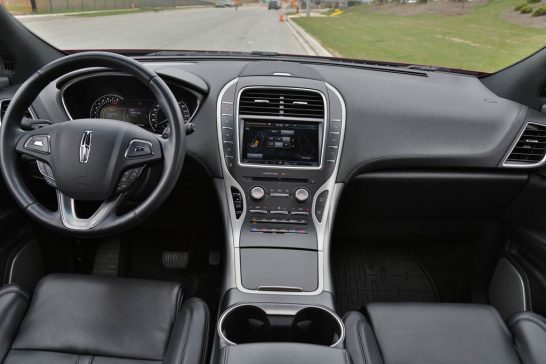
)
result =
(226, 354)
(16, 290)
(361, 341)
(186, 335)
(346, 355)
(206, 333)
(530, 319)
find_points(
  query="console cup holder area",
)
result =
(247, 323)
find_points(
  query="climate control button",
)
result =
(301, 195)
(257, 193)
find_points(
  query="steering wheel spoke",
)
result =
(71, 220)
(36, 143)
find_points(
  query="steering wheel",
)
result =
(91, 159)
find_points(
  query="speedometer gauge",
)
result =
(106, 104)
(158, 121)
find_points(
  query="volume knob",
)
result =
(301, 195)
(257, 193)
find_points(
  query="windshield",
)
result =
(475, 35)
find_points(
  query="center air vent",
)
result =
(4, 107)
(530, 148)
(281, 102)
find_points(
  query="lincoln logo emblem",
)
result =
(85, 146)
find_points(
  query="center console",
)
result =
(280, 141)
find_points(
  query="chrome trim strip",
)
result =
(323, 229)
(277, 310)
(72, 221)
(507, 164)
(280, 118)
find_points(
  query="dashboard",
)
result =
(120, 97)
(281, 139)
(394, 119)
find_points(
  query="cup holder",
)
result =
(247, 323)
(314, 325)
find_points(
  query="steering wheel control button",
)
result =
(47, 172)
(128, 178)
(257, 193)
(301, 195)
(139, 148)
(320, 205)
(38, 143)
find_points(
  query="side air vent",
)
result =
(530, 148)
(282, 103)
(4, 107)
(7, 63)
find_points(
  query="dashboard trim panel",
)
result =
(323, 228)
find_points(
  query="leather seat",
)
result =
(443, 333)
(84, 319)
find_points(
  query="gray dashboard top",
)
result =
(394, 119)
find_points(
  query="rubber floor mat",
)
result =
(364, 273)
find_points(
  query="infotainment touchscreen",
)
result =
(280, 143)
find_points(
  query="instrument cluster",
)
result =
(121, 97)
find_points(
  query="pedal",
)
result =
(214, 257)
(107, 258)
(175, 260)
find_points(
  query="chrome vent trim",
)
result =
(529, 149)
(29, 114)
(282, 102)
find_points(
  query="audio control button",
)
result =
(300, 213)
(257, 193)
(301, 195)
(278, 212)
(258, 212)
(278, 194)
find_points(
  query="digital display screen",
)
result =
(281, 143)
(134, 113)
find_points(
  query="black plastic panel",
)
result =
(287, 268)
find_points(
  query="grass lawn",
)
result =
(479, 40)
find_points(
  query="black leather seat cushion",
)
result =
(441, 333)
(77, 318)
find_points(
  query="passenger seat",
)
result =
(430, 333)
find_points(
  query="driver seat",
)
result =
(101, 320)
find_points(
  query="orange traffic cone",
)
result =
(281, 18)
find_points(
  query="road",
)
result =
(248, 29)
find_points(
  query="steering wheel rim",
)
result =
(171, 150)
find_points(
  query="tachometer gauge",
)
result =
(158, 121)
(106, 103)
